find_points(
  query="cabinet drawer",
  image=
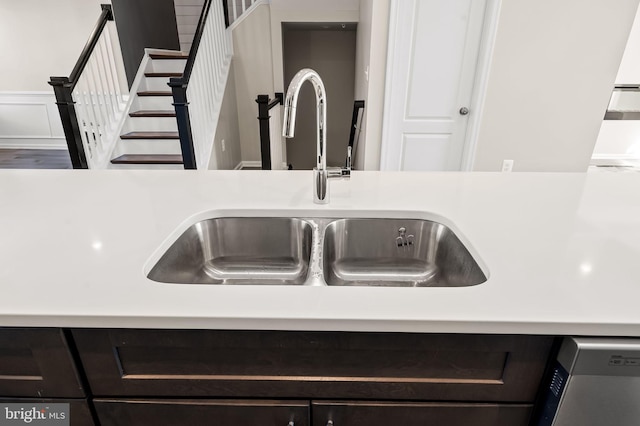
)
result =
(418, 414)
(201, 412)
(80, 414)
(326, 365)
(37, 363)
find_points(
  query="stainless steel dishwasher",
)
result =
(595, 382)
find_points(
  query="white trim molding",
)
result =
(605, 157)
(30, 120)
(487, 45)
(256, 165)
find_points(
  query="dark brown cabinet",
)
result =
(345, 413)
(312, 365)
(201, 412)
(37, 367)
(274, 378)
(37, 363)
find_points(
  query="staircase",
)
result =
(149, 136)
(152, 125)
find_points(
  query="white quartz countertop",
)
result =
(562, 251)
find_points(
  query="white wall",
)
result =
(253, 75)
(187, 17)
(227, 129)
(304, 11)
(40, 39)
(629, 72)
(371, 62)
(552, 72)
(621, 139)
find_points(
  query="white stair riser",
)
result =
(168, 65)
(147, 166)
(155, 84)
(151, 124)
(153, 103)
(148, 146)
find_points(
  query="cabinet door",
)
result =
(79, 415)
(345, 413)
(314, 365)
(37, 363)
(201, 412)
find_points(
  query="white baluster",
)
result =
(89, 125)
(116, 64)
(235, 10)
(95, 105)
(98, 91)
(81, 111)
(244, 6)
(214, 61)
(109, 78)
(101, 69)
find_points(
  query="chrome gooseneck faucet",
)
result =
(321, 174)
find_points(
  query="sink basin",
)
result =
(396, 253)
(238, 251)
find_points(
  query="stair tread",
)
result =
(153, 113)
(154, 93)
(176, 55)
(150, 135)
(163, 74)
(148, 159)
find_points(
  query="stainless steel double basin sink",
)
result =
(318, 251)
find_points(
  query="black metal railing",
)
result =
(63, 89)
(357, 106)
(264, 106)
(179, 87)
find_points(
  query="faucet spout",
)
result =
(321, 175)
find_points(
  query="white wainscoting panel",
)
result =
(30, 120)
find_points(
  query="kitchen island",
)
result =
(560, 251)
(80, 322)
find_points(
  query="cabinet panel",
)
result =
(37, 363)
(80, 414)
(201, 412)
(418, 414)
(312, 364)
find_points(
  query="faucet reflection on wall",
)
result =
(321, 174)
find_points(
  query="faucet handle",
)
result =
(348, 158)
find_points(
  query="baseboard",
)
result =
(254, 165)
(614, 157)
(33, 143)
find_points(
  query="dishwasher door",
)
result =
(595, 382)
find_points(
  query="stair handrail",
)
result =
(179, 91)
(105, 16)
(180, 85)
(112, 96)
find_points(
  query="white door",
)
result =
(431, 68)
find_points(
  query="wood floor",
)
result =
(34, 159)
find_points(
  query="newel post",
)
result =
(62, 88)
(181, 104)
